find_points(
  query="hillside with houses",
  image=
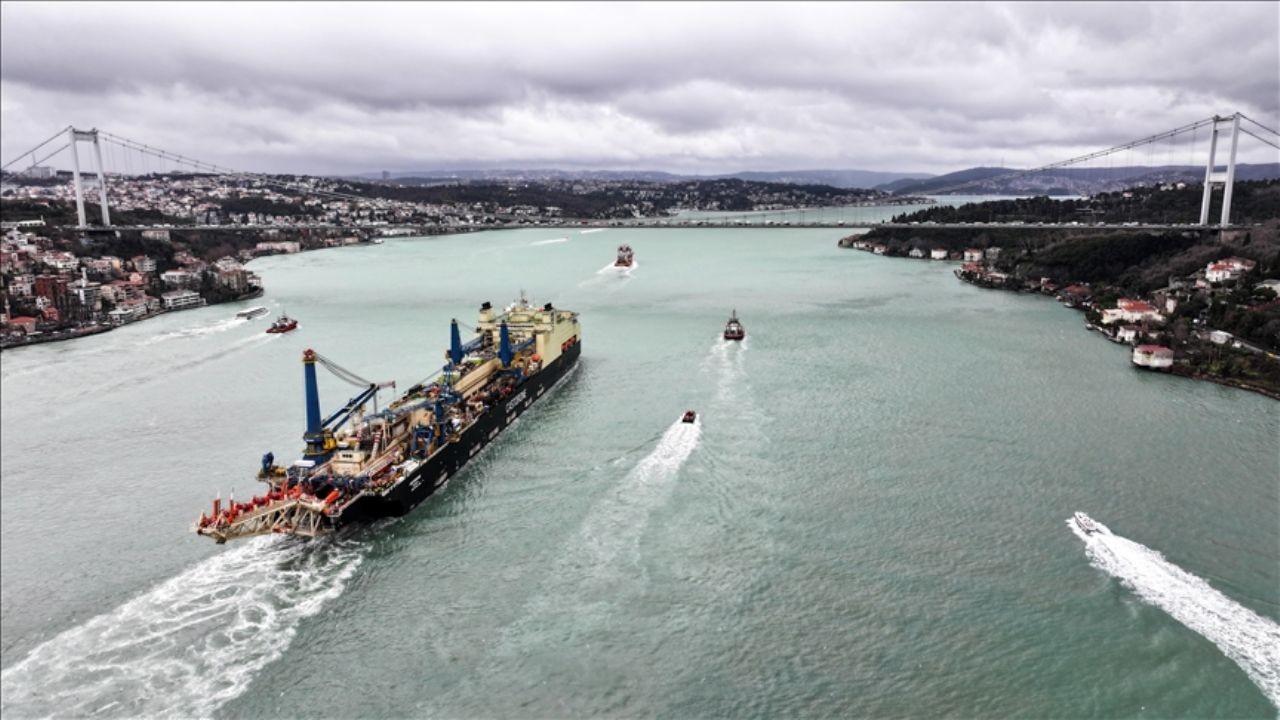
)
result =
(1196, 302)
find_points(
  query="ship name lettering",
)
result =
(513, 401)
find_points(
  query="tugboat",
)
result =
(733, 329)
(626, 256)
(689, 416)
(361, 464)
(283, 324)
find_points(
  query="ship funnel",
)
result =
(455, 343)
(504, 346)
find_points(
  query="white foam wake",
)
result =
(551, 241)
(618, 520)
(190, 644)
(592, 230)
(612, 269)
(1249, 639)
(207, 329)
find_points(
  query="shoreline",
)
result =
(100, 329)
(1182, 371)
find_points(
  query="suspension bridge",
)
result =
(1213, 142)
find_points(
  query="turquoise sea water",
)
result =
(868, 520)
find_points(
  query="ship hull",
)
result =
(434, 473)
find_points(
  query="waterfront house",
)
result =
(27, 323)
(879, 249)
(973, 255)
(1128, 334)
(938, 254)
(1074, 295)
(128, 312)
(992, 253)
(1131, 311)
(181, 299)
(1153, 357)
(916, 253)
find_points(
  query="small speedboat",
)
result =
(626, 256)
(689, 416)
(1086, 523)
(283, 324)
(733, 329)
(252, 313)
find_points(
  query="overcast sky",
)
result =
(717, 87)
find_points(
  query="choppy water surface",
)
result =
(867, 519)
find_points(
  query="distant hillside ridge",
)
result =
(832, 178)
(1069, 181)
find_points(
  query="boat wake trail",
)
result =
(612, 269)
(1249, 639)
(617, 521)
(190, 644)
(209, 329)
(551, 241)
(592, 230)
(727, 360)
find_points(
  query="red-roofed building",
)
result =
(1132, 311)
(1153, 357)
(1228, 269)
(28, 324)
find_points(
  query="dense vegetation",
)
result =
(1252, 202)
(615, 200)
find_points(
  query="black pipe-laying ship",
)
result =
(391, 460)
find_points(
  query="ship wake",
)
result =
(551, 241)
(612, 269)
(219, 326)
(603, 558)
(189, 645)
(614, 526)
(1249, 639)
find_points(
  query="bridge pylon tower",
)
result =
(1226, 179)
(74, 137)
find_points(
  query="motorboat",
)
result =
(1086, 523)
(689, 416)
(733, 329)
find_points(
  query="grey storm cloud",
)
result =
(331, 87)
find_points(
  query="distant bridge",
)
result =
(131, 151)
(655, 224)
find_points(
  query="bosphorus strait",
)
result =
(866, 520)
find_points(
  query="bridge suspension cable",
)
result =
(1264, 127)
(1192, 127)
(220, 170)
(36, 163)
(32, 151)
(1260, 139)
